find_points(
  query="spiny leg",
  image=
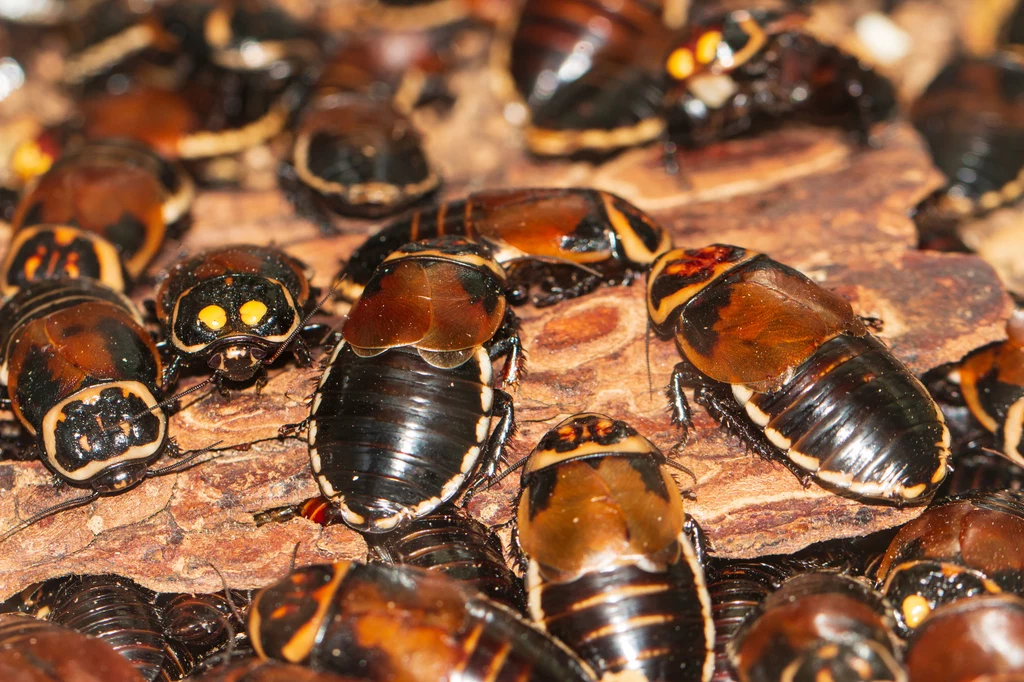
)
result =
(507, 342)
(720, 404)
(494, 453)
(684, 375)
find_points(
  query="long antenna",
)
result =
(159, 406)
(180, 465)
(478, 486)
(298, 329)
(50, 511)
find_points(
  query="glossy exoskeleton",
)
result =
(447, 540)
(356, 152)
(818, 626)
(589, 90)
(540, 236)
(359, 156)
(255, 670)
(83, 377)
(991, 383)
(202, 625)
(450, 541)
(123, 615)
(738, 588)
(745, 70)
(34, 650)
(971, 118)
(100, 212)
(789, 368)
(401, 419)
(973, 640)
(588, 87)
(959, 548)
(387, 623)
(165, 636)
(233, 308)
(610, 570)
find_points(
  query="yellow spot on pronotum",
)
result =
(213, 316)
(707, 47)
(680, 64)
(252, 312)
(915, 609)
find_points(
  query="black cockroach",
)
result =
(102, 211)
(396, 622)
(234, 308)
(249, 36)
(165, 636)
(122, 614)
(358, 157)
(356, 149)
(564, 242)
(963, 546)
(401, 419)
(205, 624)
(115, 43)
(788, 367)
(447, 540)
(450, 541)
(970, 117)
(587, 87)
(818, 626)
(610, 570)
(969, 641)
(33, 649)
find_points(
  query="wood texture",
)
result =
(807, 196)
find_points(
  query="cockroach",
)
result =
(787, 366)
(610, 570)
(561, 242)
(397, 622)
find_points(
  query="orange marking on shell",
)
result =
(32, 265)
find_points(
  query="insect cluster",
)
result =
(603, 573)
